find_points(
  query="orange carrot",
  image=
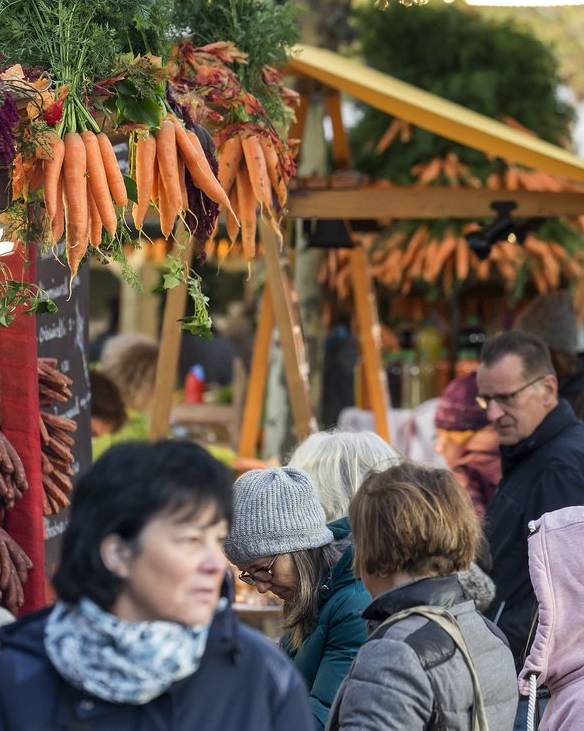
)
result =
(258, 172)
(95, 224)
(145, 163)
(198, 165)
(166, 207)
(273, 167)
(97, 181)
(53, 168)
(247, 211)
(166, 155)
(229, 157)
(154, 194)
(183, 184)
(58, 222)
(115, 179)
(75, 199)
(232, 223)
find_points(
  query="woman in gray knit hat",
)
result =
(281, 543)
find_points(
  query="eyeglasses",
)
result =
(503, 399)
(263, 574)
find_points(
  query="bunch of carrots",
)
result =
(251, 174)
(161, 161)
(421, 258)
(82, 184)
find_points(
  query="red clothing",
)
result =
(478, 469)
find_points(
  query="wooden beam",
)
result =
(258, 377)
(170, 340)
(287, 318)
(431, 112)
(370, 340)
(297, 129)
(341, 150)
(414, 202)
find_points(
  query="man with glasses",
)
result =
(542, 451)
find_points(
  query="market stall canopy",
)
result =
(433, 113)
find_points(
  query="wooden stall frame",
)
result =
(170, 340)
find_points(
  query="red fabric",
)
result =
(19, 408)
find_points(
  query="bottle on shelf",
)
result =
(195, 385)
(393, 368)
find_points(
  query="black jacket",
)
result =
(542, 473)
(244, 683)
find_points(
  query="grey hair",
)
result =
(338, 463)
(301, 612)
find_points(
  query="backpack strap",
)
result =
(448, 623)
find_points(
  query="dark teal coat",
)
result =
(325, 656)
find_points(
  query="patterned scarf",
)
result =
(119, 661)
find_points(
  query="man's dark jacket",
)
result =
(542, 473)
(244, 683)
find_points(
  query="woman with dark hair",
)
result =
(281, 543)
(432, 661)
(142, 636)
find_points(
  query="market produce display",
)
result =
(56, 435)
(14, 568)
(14, 563)
(13, 481)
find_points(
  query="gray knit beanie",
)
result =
(552, 317)
(275, 511)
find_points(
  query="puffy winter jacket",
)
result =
(244, 683)
(412, 677)
(556, 566)
(325, 656)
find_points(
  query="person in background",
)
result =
(552, 317)
(542, 449)
(432, 661)
(108, 414)
(142, 636)
(556, 656)
(468, 443)
(130, 361)
(338, 462)
(281, 543)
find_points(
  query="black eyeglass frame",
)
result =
(248, 576)
(503, 399)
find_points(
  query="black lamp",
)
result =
(328, 233)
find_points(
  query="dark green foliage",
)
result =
(81, 37)
(497, 69)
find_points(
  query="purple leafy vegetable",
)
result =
(201, 217)
(8, 121)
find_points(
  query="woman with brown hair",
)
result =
(280, 541)
(432, 660)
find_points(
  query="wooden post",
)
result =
(170, 340)
(341, 149)
(370, 339)
(258, 376)
(288, 320)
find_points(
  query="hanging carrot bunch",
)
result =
(255, 165)
(162, 161)
(255, 176)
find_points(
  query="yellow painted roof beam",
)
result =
(433, 113)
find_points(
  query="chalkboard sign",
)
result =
(65, 336)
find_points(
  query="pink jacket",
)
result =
(556, 567)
